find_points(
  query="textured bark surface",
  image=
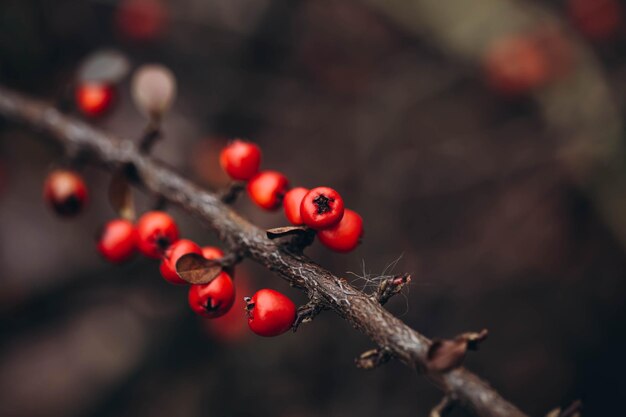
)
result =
(362, 311)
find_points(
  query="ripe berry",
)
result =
(597, 19)
(291, 204)
(322, 207)
(156, 231)
(345, 235)
(270, 313)
(117, 240)
(213, 299)
(66, 192)
(515, 65)
(212, 252)
(142, 20)
(267, 189)
(241, 160)
(172, 255)
(93, 98)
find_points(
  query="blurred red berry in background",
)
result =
(142, 20)
(596, 19)
(94, 99)
(515, 65)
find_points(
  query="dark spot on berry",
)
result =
(323, 203)
(210, 307)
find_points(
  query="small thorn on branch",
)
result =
(307, 312)
(445, 355)
(230, 194)
(391, 286)
(373, 358)
(574, 410)
(444, 407)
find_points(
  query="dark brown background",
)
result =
(464, 187)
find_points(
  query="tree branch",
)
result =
(360, 310)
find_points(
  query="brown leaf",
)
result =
(121, 196)
(195, 269)
(286, 231)
(445, 355)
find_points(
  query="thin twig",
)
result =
(359, 309)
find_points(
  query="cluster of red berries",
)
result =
(321, 208)
(156, 236)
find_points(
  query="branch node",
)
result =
(307, 312)
(373, 358)
(391, 286)
(230, 194)
(445, 355)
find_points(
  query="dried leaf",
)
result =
(445, 355)
(195, 269)
(105, 66)
(121, 196)
(285, 231)
(153, 89)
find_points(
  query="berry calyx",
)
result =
(156, 232)
(117, 240)
(66, 192)
(241, 160)
(93, 98)
(172, 255)
(345, 235)
(212, 252)
(267, 189)
(214, 299)
(291, 204)
(270, 313)
(322, 207)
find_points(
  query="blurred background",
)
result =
(481, 141)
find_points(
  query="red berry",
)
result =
(172, 255)
(213, 299)
(267, 189)
(515, 65)
(212, 252)
(232, 326)
(270, 313)
(322, 207)
(345, 235)
(142, 20)
(117, 240)
(156, 231)
(66, 192)
(93, 99)
(291, 204)
(597, 19)
(241, 160)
